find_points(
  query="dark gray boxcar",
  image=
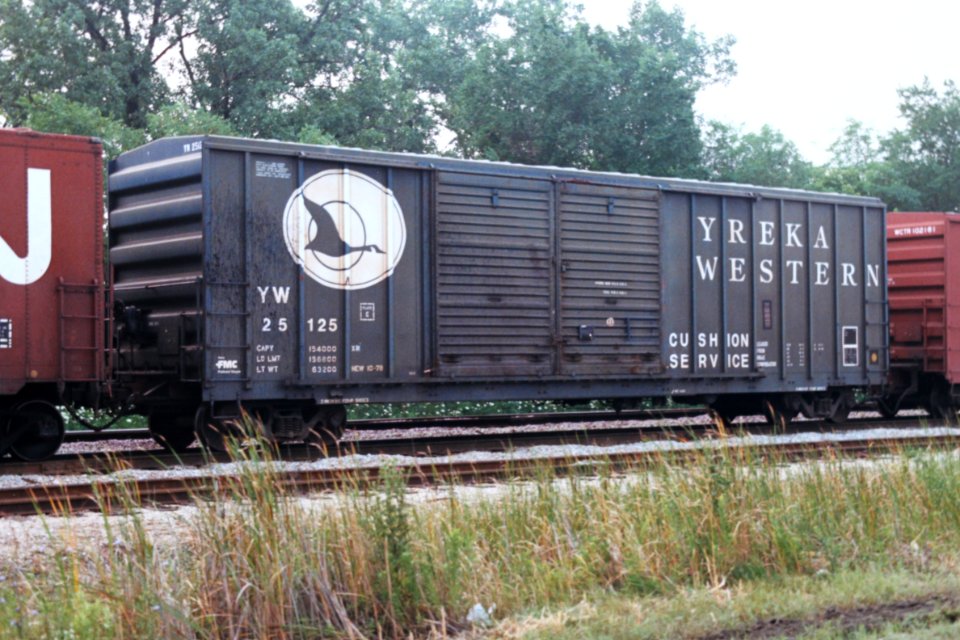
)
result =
(258, 271)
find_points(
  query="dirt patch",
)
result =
(925, 611)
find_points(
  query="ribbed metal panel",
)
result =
(610, 279)
(151, 253)
(156, 248)
(920, 264)
(493, 261)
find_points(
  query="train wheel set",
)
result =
(34, 430)
(272, 284)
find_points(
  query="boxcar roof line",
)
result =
(136, 158)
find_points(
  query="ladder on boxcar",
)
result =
(81, 339)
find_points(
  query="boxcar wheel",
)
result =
(40, 428)
(212, 434)
(172, 431)
(329, 428)
(938, 404)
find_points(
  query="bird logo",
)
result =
(345, 229)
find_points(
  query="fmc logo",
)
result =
(345, 229)
(31, 267)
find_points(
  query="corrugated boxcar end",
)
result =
(156, 251)
(924, 310)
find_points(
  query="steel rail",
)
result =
(489, 421)
(440, 443)
(111, 495)
(493, 420)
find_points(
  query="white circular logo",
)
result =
(345, 229)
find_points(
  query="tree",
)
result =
(553, 90)
(249, 63)
(765, 158)
(520, 80)
(535, 97)
(926, 155)
(264, 67)
(363, 90)
(103, 53)
(660, 66)
(178, 119)
(857, 167)
(58, 114)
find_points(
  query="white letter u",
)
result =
(31, 267)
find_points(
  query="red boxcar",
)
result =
(51, 281)
(923, 255)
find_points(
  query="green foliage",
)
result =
(101, 419)
(858, 168)
(517, 80)
(54, 113)
(917, 168)
(366, 92)
(374, 562)
(72, 613)
(396, 594)
(926, 155)
(177, 119)
(765, 158)
(249, 65)
(857, 604)
(535, 97)
(104, 54)
(264, 69)
(315, 135)
(556, 91)
(660, 66)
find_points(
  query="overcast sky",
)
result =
(807, 67)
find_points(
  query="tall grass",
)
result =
(381, 562)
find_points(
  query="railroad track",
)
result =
(473, 421)
(436, 444)
(439, 443)
(437, 422)
(96, 493)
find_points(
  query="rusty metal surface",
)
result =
(924, 264)
(51, 260)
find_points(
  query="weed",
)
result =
(373, 562)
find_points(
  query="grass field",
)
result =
(728, 547)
